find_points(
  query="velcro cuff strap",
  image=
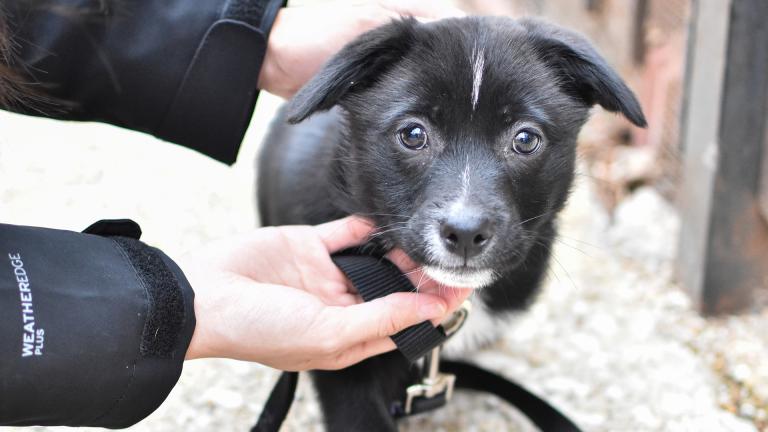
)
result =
(166, 309)
(165, 301)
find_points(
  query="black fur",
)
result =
(349, 160)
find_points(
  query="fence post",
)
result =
(723, 245)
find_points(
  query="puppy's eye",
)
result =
(413, 137)
(526, 142)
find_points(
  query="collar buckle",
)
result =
(435, 388)
(456, 321)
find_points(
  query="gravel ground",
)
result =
(612, 340)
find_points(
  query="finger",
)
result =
(358, 353)
(385, 316)
(425, 9)
(401, 260)
(366, 349)
(343, 233)
(453, 296)
(347, 299)
(410, 269)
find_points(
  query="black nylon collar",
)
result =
(376, 277)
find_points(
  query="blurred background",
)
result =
(655, 313)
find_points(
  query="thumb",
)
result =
(343, 233)
(388, 315)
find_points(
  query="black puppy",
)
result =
(458, 137)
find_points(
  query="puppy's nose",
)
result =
(466, 234)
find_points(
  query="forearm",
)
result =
(93, 329)
(184, 71)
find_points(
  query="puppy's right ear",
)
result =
(358, 65)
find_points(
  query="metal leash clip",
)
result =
(436, 388)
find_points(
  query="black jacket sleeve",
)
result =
(183, 70)
(93, 328)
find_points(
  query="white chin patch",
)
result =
(458, 279)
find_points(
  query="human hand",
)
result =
(303, 38)
(275, 297)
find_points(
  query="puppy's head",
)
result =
(461, 134)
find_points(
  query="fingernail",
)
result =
(432, 310)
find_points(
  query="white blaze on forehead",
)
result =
(460, 205)
(478, 62)
(465, 182)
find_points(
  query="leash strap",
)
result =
(468, 376)
(542, 414)
(280, 400)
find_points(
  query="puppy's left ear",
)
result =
(584, 73)
(357, 66)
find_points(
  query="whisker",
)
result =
(418, 285)
(392, 224)
(411, 272)
(574, 248)
(380, 233)
(568, 275)
(383, 214)
(532, 218)
(585, 243)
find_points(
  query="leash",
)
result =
(376, 277)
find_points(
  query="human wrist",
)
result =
(198, 346)
(207, 340)
(201, 344)
(272, 76)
